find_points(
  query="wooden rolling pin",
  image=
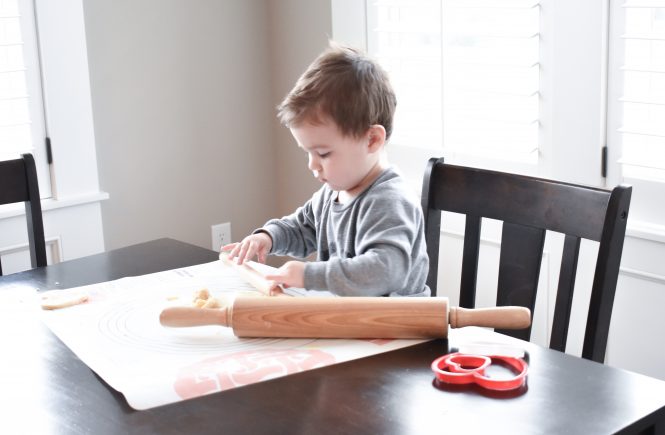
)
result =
(252, 276)
(349, 317)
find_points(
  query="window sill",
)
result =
(646, 231)
(48, 204)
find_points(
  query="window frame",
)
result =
(67, 100)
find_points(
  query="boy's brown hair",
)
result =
(345, 85)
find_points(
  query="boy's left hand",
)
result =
(291, 274)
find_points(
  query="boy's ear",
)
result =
(377, 137)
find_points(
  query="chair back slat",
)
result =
(14, 186)
(432, 232)
(519, 269)
(564, 294)
(470, 255)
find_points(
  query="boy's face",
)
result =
(342, 162)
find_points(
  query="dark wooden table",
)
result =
(45, 388)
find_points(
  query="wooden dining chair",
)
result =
(528, 207)
(18, 183)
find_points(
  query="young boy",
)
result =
(367, 229)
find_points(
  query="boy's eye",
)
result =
(324, 155)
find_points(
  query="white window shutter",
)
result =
(22, 120)
(15, 135)
(405, 37)
(466, 74)
(642, 90)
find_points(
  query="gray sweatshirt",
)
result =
(372, 246)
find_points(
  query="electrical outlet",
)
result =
(221, 235)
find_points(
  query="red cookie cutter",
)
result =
(460, 368)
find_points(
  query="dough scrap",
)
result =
(56, 299)
(203, 299)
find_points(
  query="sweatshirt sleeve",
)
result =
(294, 235)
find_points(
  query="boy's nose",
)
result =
(313, 164)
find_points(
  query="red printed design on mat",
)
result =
(247, 367)
(380, 341)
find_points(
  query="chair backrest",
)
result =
(528, 207)
(18, 183)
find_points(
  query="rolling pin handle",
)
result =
(495, 317)
(189, 316)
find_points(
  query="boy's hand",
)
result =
(291, 274)
(258, 245)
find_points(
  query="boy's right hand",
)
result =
(258, 245)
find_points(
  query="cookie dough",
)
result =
(56, 299)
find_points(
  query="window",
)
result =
(467, 74)
(636, 103)
(22, 125)
(642, 89)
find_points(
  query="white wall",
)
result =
(299, 31)
(183, 110)
(185, 133)
(184, 97)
